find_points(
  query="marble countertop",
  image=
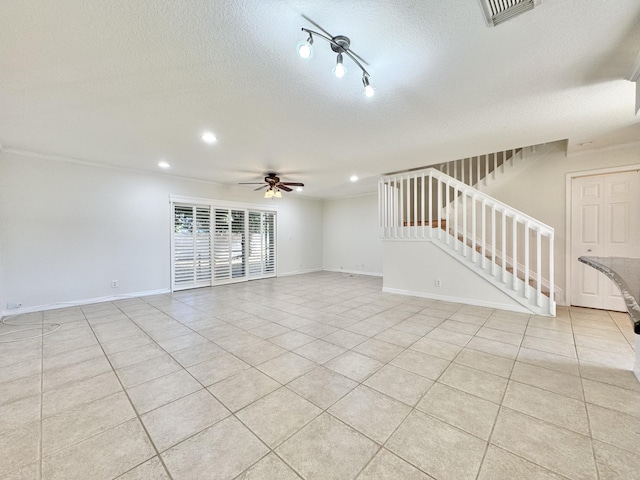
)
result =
(625, 272)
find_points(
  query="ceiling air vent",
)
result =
(499, 11)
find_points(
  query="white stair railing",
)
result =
(476, 171)
(508, 246)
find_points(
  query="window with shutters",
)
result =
(191, 246)
(262, 244)
(215, 245)
(229, 244)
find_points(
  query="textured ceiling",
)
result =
(129, 83)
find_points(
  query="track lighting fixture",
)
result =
(340, 45)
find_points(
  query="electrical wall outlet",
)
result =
(438, 283)
(114, 283)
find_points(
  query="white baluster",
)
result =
(486, 169)
(396, 210)
(380, 197)
(401, 205)
(464, 223)
(430, 202)
(526, 258)
(503, 246)
(539, 267)
(455, 216)
(552, 302)
(446, 212)
(495, 164)
(514, 250)
(484, 233)
(494, 244)
(439, 209)
(462, 165)
(422, 204)
(473, 228)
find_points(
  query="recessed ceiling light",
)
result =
(163, 164)
(299, 189)
(208, 137)
(353, 178)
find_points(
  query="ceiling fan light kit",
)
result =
(340, 44)
(274, 186)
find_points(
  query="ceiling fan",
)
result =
(272, 181)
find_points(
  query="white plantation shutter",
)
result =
(203, 245)
(269, 235)
(191, 246)
(238, 246)
(221, 245)
(216, 245)
(229, 245)
(255, 244)
(262, 250)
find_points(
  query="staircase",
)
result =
(506, 247)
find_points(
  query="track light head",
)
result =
(305, 47)
(339, 70)
(368, 89)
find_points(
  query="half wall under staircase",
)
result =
(504, 246)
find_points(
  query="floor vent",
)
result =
(499, 11)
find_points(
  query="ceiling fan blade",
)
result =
(250, 183)
(283, 187)
(260, 188)
(293, 184)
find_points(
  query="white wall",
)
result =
(411, 268)
(67, 230)
(351, 237)
(540, 191)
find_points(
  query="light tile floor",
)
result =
(318, 376)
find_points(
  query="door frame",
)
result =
(567, 219)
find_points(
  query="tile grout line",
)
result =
(500, 406)
(135, 410)
(40, 447)
(584, 396)
(413, 408)
(326, 410)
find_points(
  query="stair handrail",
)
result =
(452, 182)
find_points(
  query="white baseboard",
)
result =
(465, 301)
(353, 272)
(299, 272)
(75, 303)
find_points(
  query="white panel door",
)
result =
(605, 222)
